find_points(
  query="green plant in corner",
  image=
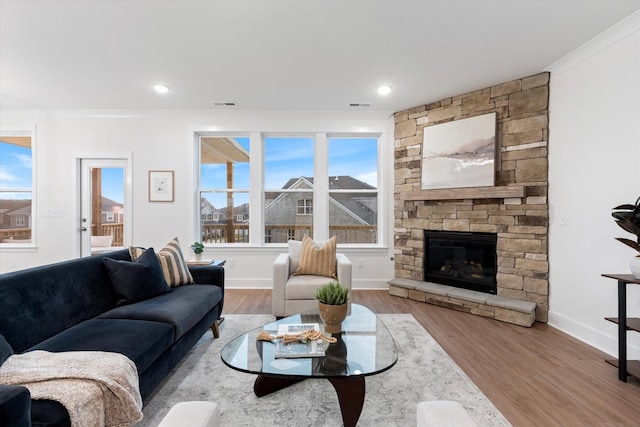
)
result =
(628, 218)
(197, 248)
(332, 293)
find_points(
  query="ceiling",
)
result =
(281, 55)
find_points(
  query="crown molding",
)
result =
(619, 31)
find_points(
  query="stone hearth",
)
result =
(516, 208)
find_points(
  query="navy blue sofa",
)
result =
(72, 306)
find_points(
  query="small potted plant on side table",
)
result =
(628, 218)
(332, 303)
(197, 248)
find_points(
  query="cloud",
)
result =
(24, 160)
(6, 176)
(370, 178)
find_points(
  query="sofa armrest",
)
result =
(15, 406)
(343, 267)
(280, 277)
(209, 275)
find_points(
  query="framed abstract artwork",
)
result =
(161, 186)
(460, 153)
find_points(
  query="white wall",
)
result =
(164, 141)
(594, 155)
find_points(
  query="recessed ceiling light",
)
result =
(161, 88)
(384, 90)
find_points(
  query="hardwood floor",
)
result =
(535, 376)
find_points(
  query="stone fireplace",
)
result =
(515, 209)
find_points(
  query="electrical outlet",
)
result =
(44, 213)
(564, 220)
(229, 263)
(360, 263)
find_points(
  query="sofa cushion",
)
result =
(5, 350)
(16, 406)
(181, 309)
(317, 259)
(136, 281)
(174, 267)
(39, 302)
(140, 340)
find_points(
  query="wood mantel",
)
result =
(499, 192)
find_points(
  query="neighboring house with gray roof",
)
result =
(293, 211)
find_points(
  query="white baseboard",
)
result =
(594, 337)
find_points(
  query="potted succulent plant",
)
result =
(332, 303)
(628, 218)
(197, 248)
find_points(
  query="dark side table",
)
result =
(625, 367)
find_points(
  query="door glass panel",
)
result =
(107, 208)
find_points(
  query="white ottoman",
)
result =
(192, 414)
(443, 413)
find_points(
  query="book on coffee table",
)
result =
(313, 348)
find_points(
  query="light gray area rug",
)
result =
(423, 372)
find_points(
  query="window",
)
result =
(305, 207)
(224, 189)
(285, 171)
(353, 189)
(16, 187)
(288, 197)
(110, 216)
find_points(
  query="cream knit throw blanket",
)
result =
(98, 389)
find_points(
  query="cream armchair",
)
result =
(295, 294)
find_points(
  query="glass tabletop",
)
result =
(364, 347)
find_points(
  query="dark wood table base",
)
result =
(350, 392)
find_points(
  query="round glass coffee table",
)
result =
(364, 347)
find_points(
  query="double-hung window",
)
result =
(353, 189)
(289, 188)
(224, 189)
(16, 187)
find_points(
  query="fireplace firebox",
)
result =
(462, 259)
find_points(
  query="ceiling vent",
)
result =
(360, 104)
(224, 104)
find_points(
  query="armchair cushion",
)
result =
(317, 259)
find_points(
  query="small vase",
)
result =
(332, 316)
(634, 265)
(198, 257)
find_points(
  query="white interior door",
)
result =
(105, 205)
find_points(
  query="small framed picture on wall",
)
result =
(161, 186)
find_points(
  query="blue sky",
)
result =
(287, 158)
(293, 157)
(113, 184)
(15, 170)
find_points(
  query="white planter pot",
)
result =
(634, 265)
(198, 257)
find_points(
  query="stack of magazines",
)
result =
(311, 348)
